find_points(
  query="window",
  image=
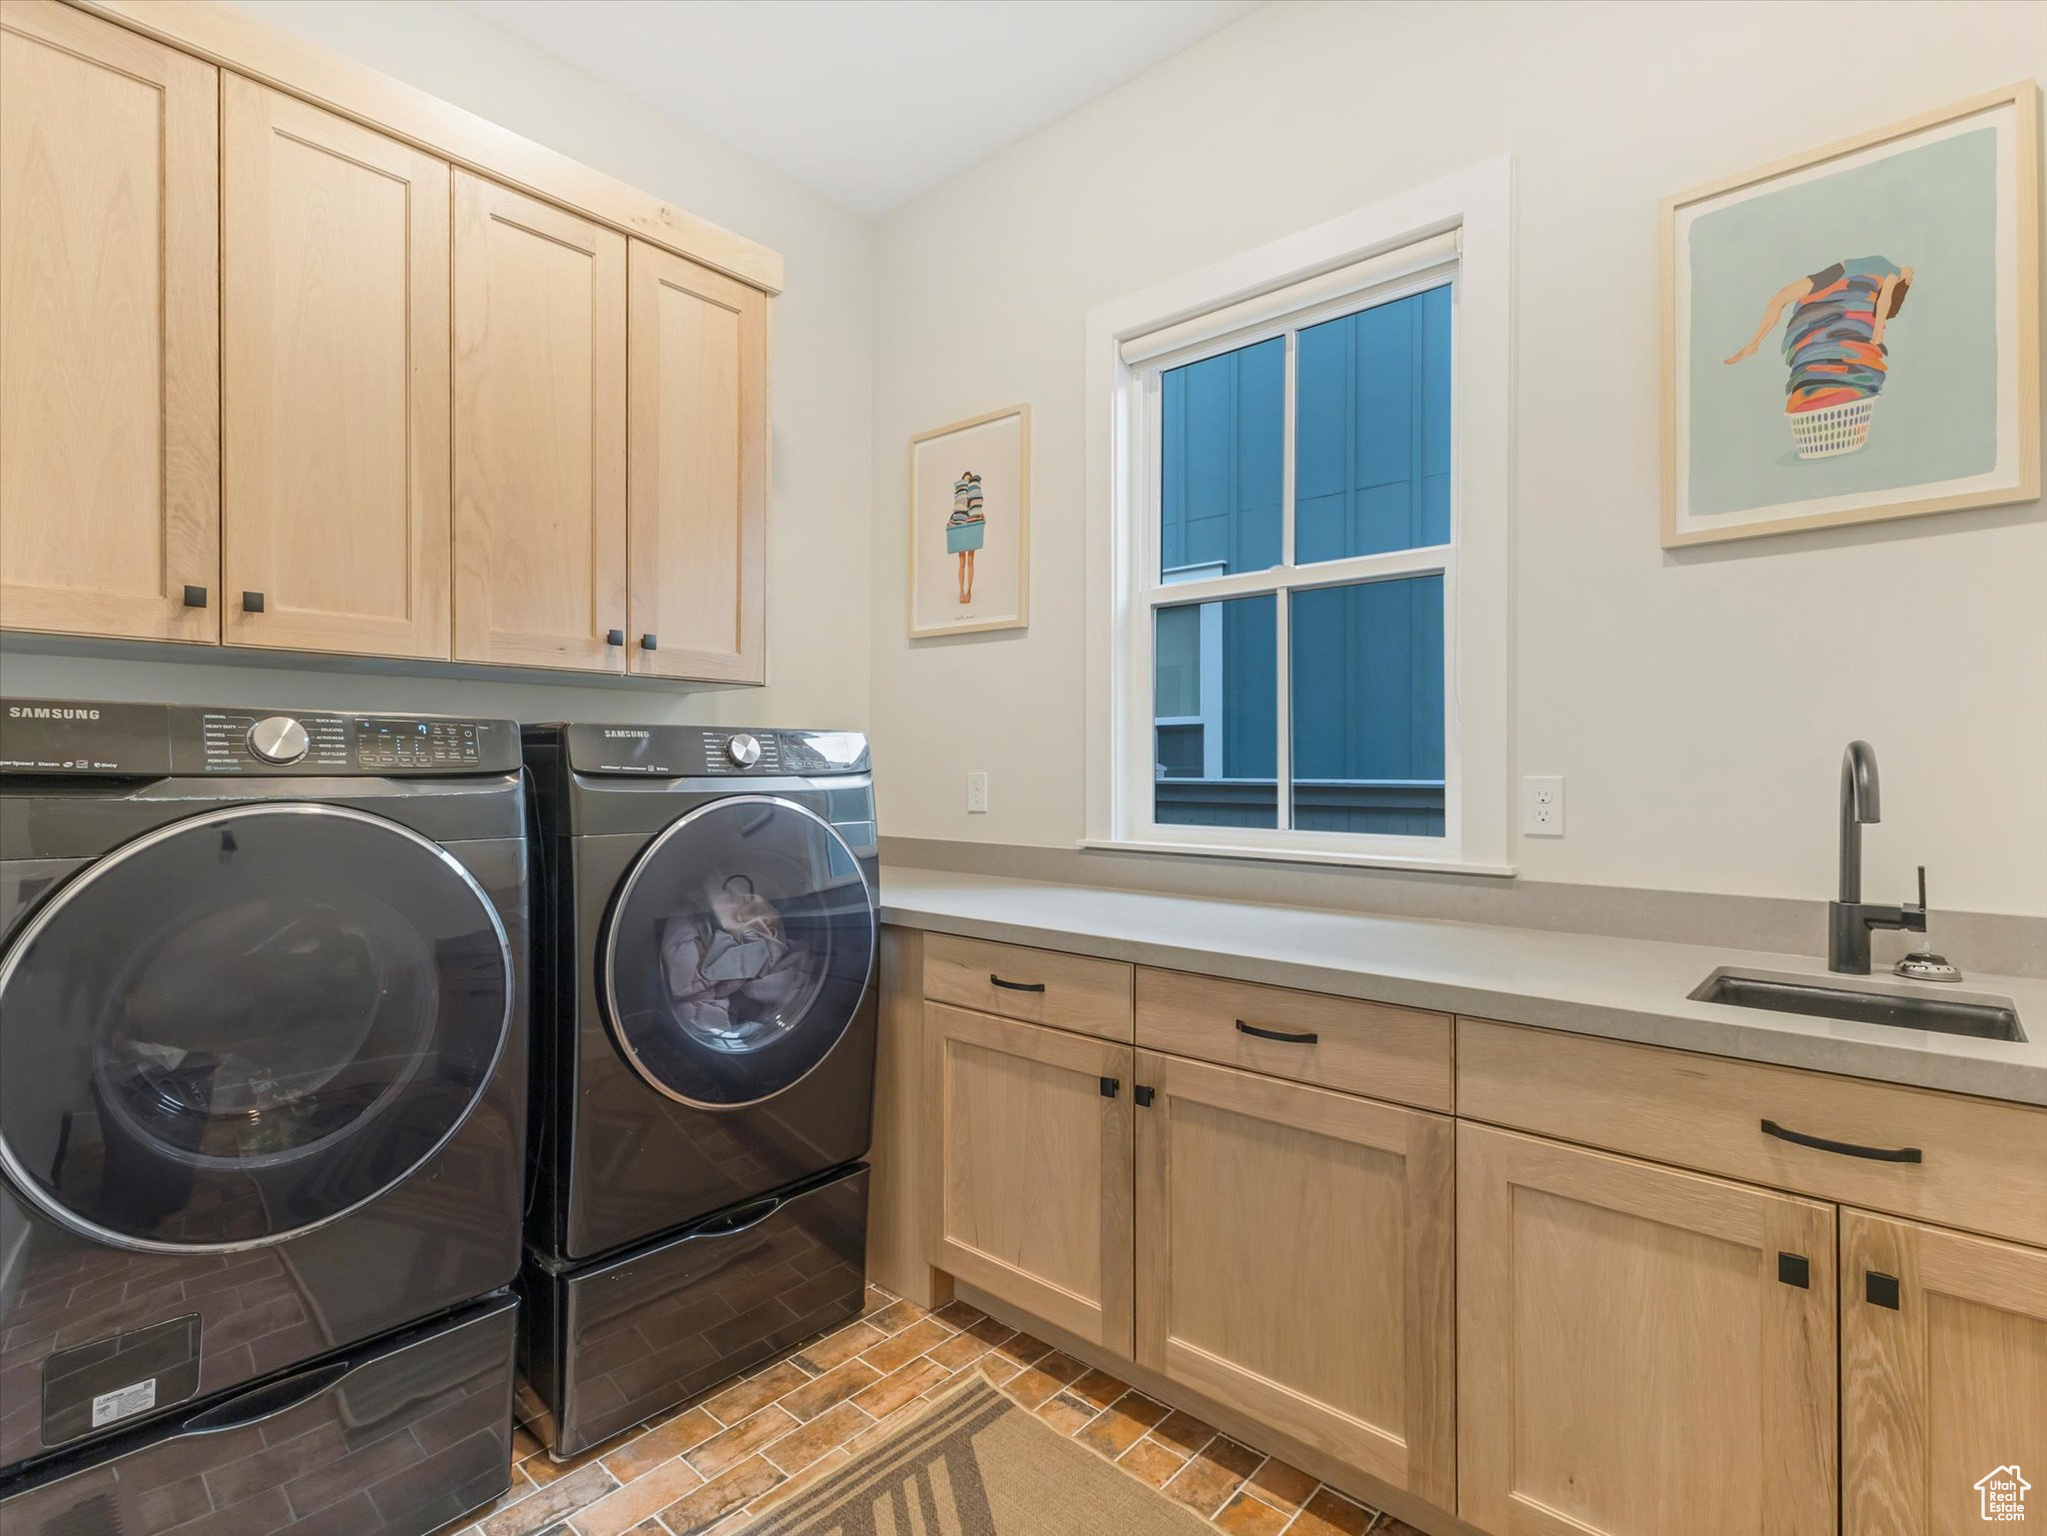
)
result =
(1299, 623)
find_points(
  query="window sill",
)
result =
(1417, 864)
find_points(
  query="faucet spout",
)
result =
(1861, 802)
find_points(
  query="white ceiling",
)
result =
(867, 101)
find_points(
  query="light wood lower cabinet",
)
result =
(109, 330)
(1029, 1161)
(540, 432)
(1943, 1379)
(1295, 1258)
(1641, 1352)
(334, 372)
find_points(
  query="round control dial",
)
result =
(278, 739)
(743, 749)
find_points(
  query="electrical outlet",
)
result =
(1542, 805)
(977, 794)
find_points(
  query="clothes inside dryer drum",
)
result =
(738, 981)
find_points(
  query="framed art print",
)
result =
(1853, 334)
(970, 544)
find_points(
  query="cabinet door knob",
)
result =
(614, 637)
(649, 643)
(252, 602)
(195, 597)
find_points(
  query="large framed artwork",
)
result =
(1854, 333)
(970, 547)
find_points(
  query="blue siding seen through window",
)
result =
(1215, 682)
(1372, 465)
(1367, 715)
(1372, 431)
(1221, 480)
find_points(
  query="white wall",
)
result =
(1697, 703)
(821, 369)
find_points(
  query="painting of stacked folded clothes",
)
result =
(1848, 333)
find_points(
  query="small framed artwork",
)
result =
(1854, 333)
(970, 507)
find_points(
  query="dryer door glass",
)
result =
(245, 1024)
(738, 950)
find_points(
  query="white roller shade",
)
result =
(1392, 266)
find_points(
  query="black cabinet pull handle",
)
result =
(649, 643)
(1143, 1095)
(1110, 1085)
(1881, 1290)
(195, 597)
(1795, 1269)
(1845, 1148)
(1015, 986)
(614, 637)
(1308, 1037)
(252, 602)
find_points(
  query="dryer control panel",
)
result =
(55, 736)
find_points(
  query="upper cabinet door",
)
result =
(1943, 1380)
(334, 472)
(1295, 1257)
(697, 478)
(540, 431)
(109, 321)
(1639, 1350)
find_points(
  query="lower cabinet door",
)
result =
(1295, 1258)
(1029, 1168)
(1641, 1352)
(1943, 1381)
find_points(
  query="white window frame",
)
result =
(1375, 255)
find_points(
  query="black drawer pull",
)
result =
(252, 602)
(649, 643)
(1845, 1148)
(195, 597)
(1015, 986)
(614, 637)
(1110, 1086)
(1881, 1290)
(1307, 1038)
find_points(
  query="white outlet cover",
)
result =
(1542, 805)
(977, 794)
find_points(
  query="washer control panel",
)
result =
(415, 742)
(47, 736)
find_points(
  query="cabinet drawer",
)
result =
(1373, 1049)
(1961, 1162)
(1039, 986)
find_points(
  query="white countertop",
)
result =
(1624, 989)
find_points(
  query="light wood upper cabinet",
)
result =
(1295, 1258)
(696, 479)
(334, 369)
(539, 433)
(109, 321)
(1943, 1376)
(1028, 1163)
(1641, 1352)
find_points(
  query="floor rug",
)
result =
(979, 1465)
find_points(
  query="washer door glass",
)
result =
(246, 1024)
(738, 951)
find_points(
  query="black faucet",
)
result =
(1850, 919)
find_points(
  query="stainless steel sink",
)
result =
(1956, 1013)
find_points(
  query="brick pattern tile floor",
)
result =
(716, 1463)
